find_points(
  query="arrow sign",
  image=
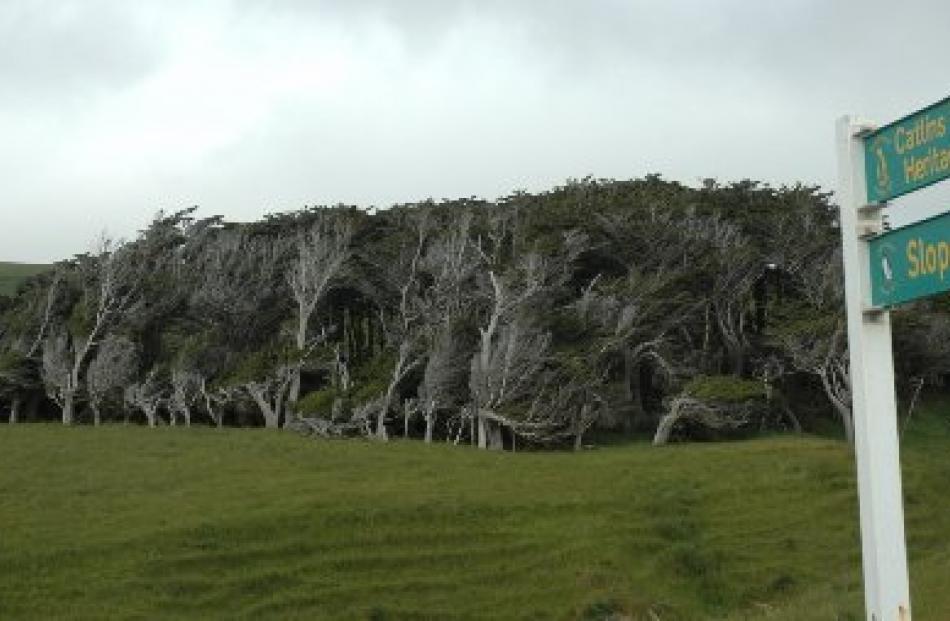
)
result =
(911, 262)
(908, 154)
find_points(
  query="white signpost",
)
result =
(886, 589)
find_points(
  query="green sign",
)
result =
(911, 262)
(908, 154)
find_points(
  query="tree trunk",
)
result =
(303, 319)
(843, 409)
(271, 417)
(398, 371)
(628, 374)
(14, 410)
(186, 413)
(495, 438)
(482, 433)
(579, 417)
(845, 413)
(69, 406)
(790, 415)
(216, 417)
(294, 395)
(430, 422)
(96, 413)
(664, 429)
(383, 411)
(151, 415)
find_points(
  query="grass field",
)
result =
(11, 274)
(127, 522)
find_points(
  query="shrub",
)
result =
(724, 389)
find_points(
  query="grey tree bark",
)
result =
(114, 294)
(321, 253)
(147, 396)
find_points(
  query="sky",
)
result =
(111, 110)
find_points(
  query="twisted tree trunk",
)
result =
(270, 413)
(665, 428)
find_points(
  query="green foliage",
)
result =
(649, 280)
(317, 402)
(724, 389)
(17, 372)
(258, 365)
(371, 379)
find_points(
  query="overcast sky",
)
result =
(111, 110)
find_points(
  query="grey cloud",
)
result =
(831, 43)
(55, 50)
(488, 96)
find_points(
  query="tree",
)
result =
(321, 252)
(111, 369)
(108, 284)
(18, 374)
(404, 333)
(811, 332)
(147, 395)
(450, 264)
(504, 371)
(233, 294)
(185, 391)
(511, 349)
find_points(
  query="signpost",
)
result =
(908, 154)
(884, 558)
(881, 270)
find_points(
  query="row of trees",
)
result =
(630, 306)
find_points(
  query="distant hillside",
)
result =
(11, 274)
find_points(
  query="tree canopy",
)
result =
(641, 306)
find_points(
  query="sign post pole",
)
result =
(884, 558)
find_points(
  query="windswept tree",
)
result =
(505, 371)
(812, 333)
(112, 368)
(319, 255)
(147, 395)
(234, 297)
(512, 283)
(451, 263)
(404, 324)
(106, 287)
(185, 390)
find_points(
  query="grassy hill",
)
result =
(11, 274)
(127, 522)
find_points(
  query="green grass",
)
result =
(132, 523)
(12, 274)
